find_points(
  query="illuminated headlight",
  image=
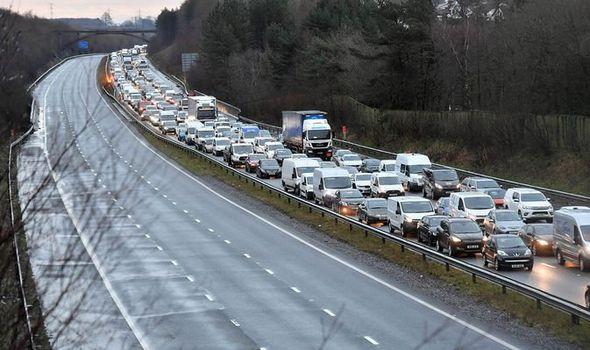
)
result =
(502, 253)
(528, 252)
(542, 242)
(438, 186)
(455, 239)
(408, 219)
(458, 186)
(587, 249)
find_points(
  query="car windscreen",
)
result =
(318, 134)
(532, 197)
(265, 133)
(169, 123)
(509, 242)
(389, 180)
(507, 216)
(283, 152)
(372, 162)
(223, 142)
(496, 193)
(479, 203)
(544, 229)
(350, 157)
(206, 133)
(262, 142)
(377, 204)
(351, 194)
(435, 221)
(337, 182)
(417, 207)
(445, 175)
(465, 227)
(418, 168)
(389, 167)
(305, 169)
(585, 231)
(444, 201)
(191, 130)
(309, 179)
(363, 177)
(274, 146)
(250, 133)
(269, 163)
(256, 156)
(487, 184)
(327, 164)
(241, 149)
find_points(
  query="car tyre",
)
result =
(497, 265)
(534, 249)
(587, 299)
(403, 231)
(438, 247)
(451, 251)
(559, 256)
(530, 268)
(582, 264)
(419, 238)
(485, 261)
(391, 228)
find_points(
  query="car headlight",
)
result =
(344, 204)
(542, 242)
(438, 186)
(455, 239)
(587, 249)
(458, 186)
(503, 228)
(526, 207)
(502, 253)
(528, 252)
(408, 219)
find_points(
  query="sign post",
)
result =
(344, 131)
(187, 60)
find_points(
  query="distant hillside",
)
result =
(83, 23)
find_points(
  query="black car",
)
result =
(440, 183)
(282, 154)
(252, 161)
(507, 251)
(427, 228)
(373, 211)
(346, 202)
(538, 237)
(370, 165)
(459, 235)
(268, 168)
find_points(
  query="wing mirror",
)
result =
(516, 200)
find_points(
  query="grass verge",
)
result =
(514, 304)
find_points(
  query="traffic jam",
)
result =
(472, 217)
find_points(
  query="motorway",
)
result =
(182, 265)
(566, 282)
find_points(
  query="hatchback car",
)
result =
(347, 201)
(282, 154)
(370, 165)
(268, 168)
(252, 162)
(497, 195)
(459, 235)
(427, 228)
(502, 221)
(440, 183)
(538, 237)
(443, 206)
(373, 211)
(507, 251)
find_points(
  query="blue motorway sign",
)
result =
(83, 45)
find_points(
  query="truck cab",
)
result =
(308, 132)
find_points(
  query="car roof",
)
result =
(450, 219)
(388, 161)
(525, 190)
(469, 194)
(385, 174)
(408, 199)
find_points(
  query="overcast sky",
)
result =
(120, 9)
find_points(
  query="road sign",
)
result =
(187, 60)
(344, 131)
(83, 45)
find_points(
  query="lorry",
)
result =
(308, 132)
(202, 107)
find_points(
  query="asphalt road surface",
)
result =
(188, 267)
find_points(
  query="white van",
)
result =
(403, 213)
(386, 184)
(326, 181)
(571, 236)
(292, 170)
(387, 165)
(410, 166)
(473, 205)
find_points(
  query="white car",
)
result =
(259, 143)
(271, 147)
(387, 165)
(306, 186)
(362, 182)
(404, 213)
(386, 184)
(353, 160)
(530, 204)
(298, 155)
(219, 144)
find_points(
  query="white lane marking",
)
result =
(165, 196)
(149, 182)
(159, 248)
(190, 278)
(235, 322)
(317, 249)
(137, 225)
(155, 188)
(173, 203)
(174, 262)
(295, 289)
(211, 230)
(209, 297)
(197, 220)
(547, 265)
(330, 313)
(129, 216)
(185, 211)
(120, 207)
(247, 256)
(269, 271)
(371, 340)
(146, 235)
(226, 241)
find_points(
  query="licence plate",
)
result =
(473, 246)
(517, 266)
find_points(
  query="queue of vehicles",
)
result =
(474, 215)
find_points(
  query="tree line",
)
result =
(512, 56)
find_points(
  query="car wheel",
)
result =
(451, 251)
(549, 221)
(485, 261)
(560, 259)
(583, 266)
(419, 238)
(391, 228)
(588, 300)
(424, 194)
(534, 249)
(296, 191)
(438, 247)
(529, 268)
(403, 231)
(496, 264)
